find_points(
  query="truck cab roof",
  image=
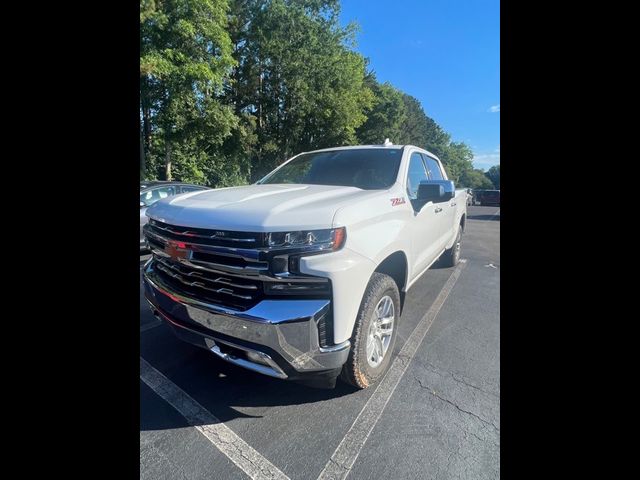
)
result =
(389, 146)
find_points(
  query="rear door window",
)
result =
(434, 168)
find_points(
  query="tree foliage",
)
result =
(231, 88)
(185, 58)
(475, 179)
(297, 77)
(457, 159)
(416, 128)
(386, 115)
(493, 174)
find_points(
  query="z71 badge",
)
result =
(397, 201)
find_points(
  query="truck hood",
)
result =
(258, 208)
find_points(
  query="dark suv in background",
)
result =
(151, 192)
(487, 197)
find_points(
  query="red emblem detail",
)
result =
(397, 201)
(176, 250)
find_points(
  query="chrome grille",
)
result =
(203, 236)
(196, 263)
(208, 285)
(232, 270)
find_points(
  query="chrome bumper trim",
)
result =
(267, 311)
(272, 370)
(287, 327)
(270, 367)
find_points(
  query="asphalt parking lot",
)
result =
(436, 415)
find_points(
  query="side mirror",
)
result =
(430, 192)
(436, 191)
(142, 204)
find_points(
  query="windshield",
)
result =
(365, 168)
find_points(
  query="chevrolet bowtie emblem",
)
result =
(176, 250)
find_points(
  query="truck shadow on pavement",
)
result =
(229, 392)
(493, 217)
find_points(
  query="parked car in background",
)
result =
(487, 197)
(151, 192)
(470, 197)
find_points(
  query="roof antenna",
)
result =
(387, 143)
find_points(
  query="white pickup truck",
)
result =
(302, 275)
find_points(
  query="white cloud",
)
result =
(494, 108)
(486, 161)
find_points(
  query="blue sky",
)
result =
(446, 53)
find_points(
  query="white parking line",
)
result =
(153, 324)
(342, 460)
(222, 437)
(495, 215)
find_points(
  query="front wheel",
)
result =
(374, 334)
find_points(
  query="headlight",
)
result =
(332, 239)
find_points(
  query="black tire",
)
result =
(357, 371)
(451, 256)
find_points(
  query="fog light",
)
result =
(257, 357)
(296, 288)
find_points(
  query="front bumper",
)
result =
(276, 337)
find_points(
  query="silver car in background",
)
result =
(151, 192)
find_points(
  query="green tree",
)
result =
(231, 88)
(457, 158)
(415, 127)
(437, 140)
(296, 76)
(475, 179)
(185, 57)
(419, 129)
(494, 175)
(386, 117)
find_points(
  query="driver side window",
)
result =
(417, 173)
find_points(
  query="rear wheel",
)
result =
(374, 334)
(451, 256)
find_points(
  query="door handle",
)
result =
(438, 209)
(453, 204)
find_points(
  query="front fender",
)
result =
(349, 273)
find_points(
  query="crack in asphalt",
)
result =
(435, 394)
(439, 371)
(466, 431)
(461, 380)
